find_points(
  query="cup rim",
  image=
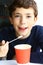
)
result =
(29, 46)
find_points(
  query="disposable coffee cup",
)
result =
(22, 52)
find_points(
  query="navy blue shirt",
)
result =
(35, 40)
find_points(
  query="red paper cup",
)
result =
(22, 53)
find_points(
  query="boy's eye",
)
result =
(17, 15)
(28, 16)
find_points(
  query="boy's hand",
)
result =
(4, 47)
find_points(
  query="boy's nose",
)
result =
(23, 20)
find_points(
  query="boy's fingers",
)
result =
(3, 42)
(7, 42)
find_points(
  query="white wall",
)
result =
(40, 12)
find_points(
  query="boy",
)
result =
(23, 16)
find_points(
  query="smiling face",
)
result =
(23, 21)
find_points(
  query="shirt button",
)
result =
(40, 50)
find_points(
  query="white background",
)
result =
(40, 12)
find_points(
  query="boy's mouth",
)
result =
(23, 28)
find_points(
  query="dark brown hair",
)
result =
(24, 4)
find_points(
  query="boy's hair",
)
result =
(23, 3)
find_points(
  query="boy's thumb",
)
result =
(3, 42)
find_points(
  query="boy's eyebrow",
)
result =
(28, 13)
(25, 13)
(17, 13)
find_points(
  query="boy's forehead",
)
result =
(25, 10)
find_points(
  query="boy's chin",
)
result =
(24, 36)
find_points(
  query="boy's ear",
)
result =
(36, 18)
(10, 18)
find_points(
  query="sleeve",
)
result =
(1, 36)
(37, 57)
(11, 52)
(2, 58)
(40, 36)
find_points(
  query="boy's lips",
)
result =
(23, 29)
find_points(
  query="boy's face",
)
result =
(23, 20)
